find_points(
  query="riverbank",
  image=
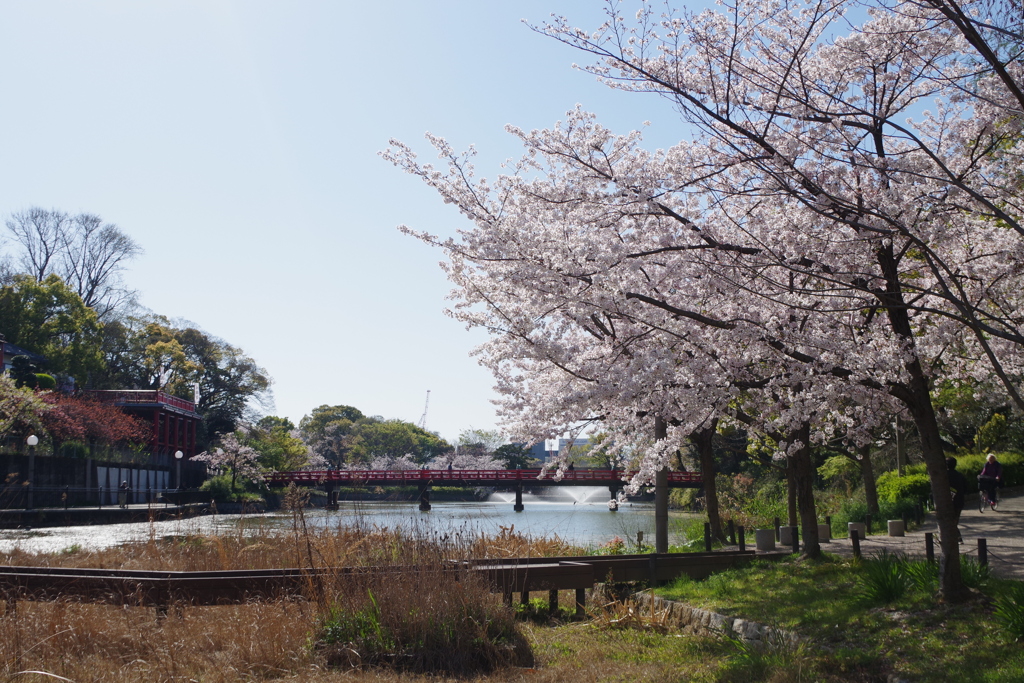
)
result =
(87, 516)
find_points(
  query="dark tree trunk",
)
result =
(791, 492)
(702, 441)
(867, 473)
(660, 495)
(915, 394)
(803, 479)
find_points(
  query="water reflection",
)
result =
(582, 519)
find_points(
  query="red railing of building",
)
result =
(377, 477)
(130, 397)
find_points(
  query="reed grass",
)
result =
(419, 620)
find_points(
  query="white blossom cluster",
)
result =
(844, 225)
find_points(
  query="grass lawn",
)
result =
(851, 636)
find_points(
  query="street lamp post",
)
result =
(32, 442)
(178, 455)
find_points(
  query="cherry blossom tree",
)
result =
(234, 458)
(819, 251)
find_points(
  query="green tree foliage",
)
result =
(154, 353)
(21, 410)
(344, 436)
(514, 455)
(279, 448)
(314, 426)
(48, 318)
(393, 439)
(23, 372)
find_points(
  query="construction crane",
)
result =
(423, 418)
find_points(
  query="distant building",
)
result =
(540, 452)
(8, 351)
(174, 419)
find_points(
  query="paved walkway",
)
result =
(1002, 530)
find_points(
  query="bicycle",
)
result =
(986, 484)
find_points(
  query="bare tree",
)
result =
(88, 254)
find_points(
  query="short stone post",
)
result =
(764, 539)
(855, 540)
(896, 527)
(929, 546)
(742, 540)
(732, 533)
(824, 533)
(867, 525)
(707, 536)
(982, 552)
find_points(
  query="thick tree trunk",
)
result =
(702, 441)
(915, 394)
(660, 495)
(803, 480)
(918, 401)
(791, 492)
(867, 473)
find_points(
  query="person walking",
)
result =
(991, 478)
(122, 494)
(958, 489)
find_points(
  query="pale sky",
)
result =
(237, 143)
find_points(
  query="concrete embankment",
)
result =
(51, 517)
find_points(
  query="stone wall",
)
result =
(704, 622)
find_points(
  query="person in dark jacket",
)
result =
(991, 478)
(958, 489)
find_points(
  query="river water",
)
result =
(578, 515)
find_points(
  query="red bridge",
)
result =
(516, 479)
(531, 477)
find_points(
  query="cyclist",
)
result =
(990, 478)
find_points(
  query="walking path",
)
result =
(1003, 531)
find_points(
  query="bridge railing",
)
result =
(397, 477)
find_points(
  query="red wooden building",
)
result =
(174, 420)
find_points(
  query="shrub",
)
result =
(885, 578)
(219, 487)
(856, 510)
(974, 574)
(892, 487)
(44, 381)
(1009, 611)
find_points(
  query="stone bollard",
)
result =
(764, 539)
(860, 527)
(786, 535)
(824, 533)
(896, 527)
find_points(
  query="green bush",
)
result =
(856, 510)
(44, 381)
(892, 487)
(1009, 611)
(974, 574)
(885, 578)
(220, 488)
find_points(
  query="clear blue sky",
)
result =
(237, 143)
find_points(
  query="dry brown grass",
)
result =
(261, 641)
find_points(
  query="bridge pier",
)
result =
(425, 498)
(332, 498)
(518, 507)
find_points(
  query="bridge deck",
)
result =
(529, 477)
